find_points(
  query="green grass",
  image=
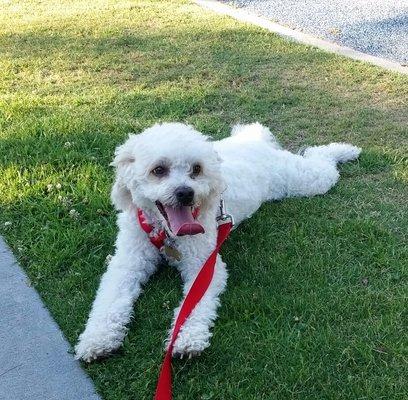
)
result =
(316, 305)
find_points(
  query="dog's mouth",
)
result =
(181, 220)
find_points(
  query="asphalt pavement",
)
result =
(376, 27)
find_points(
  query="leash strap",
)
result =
(193, 297)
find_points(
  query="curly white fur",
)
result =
(249, 167)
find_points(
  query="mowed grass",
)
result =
(316, 305)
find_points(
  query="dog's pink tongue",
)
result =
(182, 222)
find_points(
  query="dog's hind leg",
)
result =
(315, 172)
(195, 334)
(333, 152)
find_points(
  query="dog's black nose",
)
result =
(184, 195)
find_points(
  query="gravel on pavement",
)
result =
(376, 27)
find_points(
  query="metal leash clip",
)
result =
(224, 217)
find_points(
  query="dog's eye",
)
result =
(196, 169)
(159, 171)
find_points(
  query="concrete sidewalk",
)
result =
(34, 359)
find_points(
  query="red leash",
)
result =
(193, 297)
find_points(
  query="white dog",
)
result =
(175, 176)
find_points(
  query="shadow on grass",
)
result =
(129, 78)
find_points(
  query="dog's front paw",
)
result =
(191, 342)
(91, 347)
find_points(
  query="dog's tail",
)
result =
(334, 152)
(254, 132)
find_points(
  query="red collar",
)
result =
(156, 237)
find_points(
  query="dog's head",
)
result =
(171, 171)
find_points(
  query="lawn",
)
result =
(316, 305)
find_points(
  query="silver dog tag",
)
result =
(172, 252)
(170, 249)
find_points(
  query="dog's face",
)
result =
(171, 171)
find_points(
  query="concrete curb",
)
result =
(34, 359)
(245, 16)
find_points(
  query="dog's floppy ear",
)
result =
(120, 194)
